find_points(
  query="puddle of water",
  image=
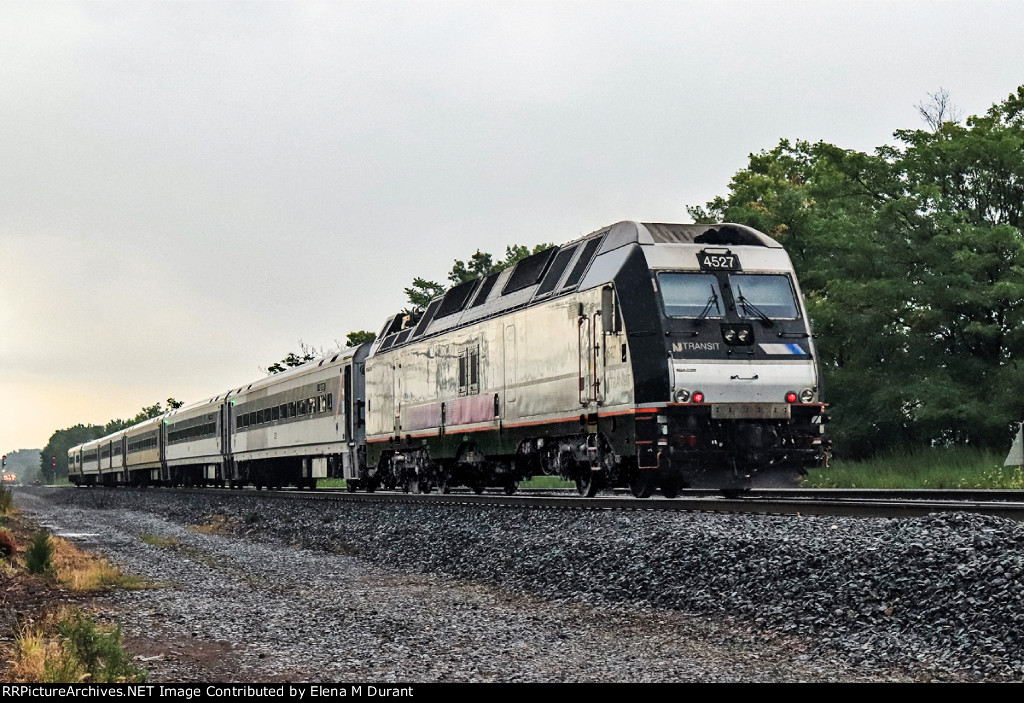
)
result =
(77, 535)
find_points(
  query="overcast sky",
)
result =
(187, 189)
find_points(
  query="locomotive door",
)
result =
(510, 370)
(591, 358)
(398, 396)
(585, 358)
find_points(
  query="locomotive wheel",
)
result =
(643, 484)
(511, 488)
(351, 485)
(587, 483)
(478, 488)
(444, 484)
(423, 486)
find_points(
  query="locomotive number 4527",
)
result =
(718, 261)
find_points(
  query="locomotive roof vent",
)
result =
(715, 235)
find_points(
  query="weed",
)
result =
(81, 571)
(938, 467)
(100, 653)
(39, 554)
(6, 501)
(68, 647)
(31, 652)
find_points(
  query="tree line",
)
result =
(912, 261)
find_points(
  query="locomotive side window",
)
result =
(759, 295)
(582, 263)
(485, 290)
(463, 372)
(469, 371)
(691, 295)
(474, 370)
(553, 275)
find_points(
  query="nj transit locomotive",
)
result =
(655, 356)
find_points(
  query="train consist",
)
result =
(653, 356)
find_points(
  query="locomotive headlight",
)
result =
(730, 335)
(743, 335)
(806, 395)
(682, 396)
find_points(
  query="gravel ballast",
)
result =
(319, 591)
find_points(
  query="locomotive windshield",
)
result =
(691, 295)
(763, 295)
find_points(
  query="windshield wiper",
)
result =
(750, 307)
(712, 301)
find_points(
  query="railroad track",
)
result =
(850, 502)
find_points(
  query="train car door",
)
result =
(161, 438)
(225, 438)
(349, 459)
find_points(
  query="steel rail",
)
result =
(836, 502)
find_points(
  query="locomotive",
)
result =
(653, 356)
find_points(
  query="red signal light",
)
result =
(791, 397)
(698, 397)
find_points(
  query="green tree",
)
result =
(290, 361)
(422, 291)
(57, 447)
(354, 339)
(306, 353)
(912, 262)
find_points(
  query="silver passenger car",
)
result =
(302, 424)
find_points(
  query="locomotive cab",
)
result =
(741, 402)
